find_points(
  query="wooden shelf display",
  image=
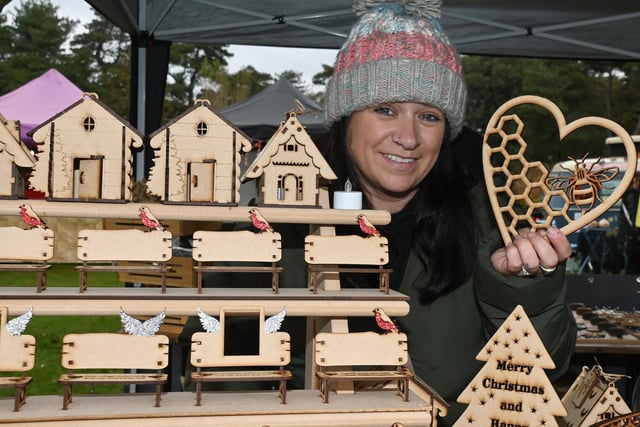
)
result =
(80, 183)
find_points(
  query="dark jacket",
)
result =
(446, 335)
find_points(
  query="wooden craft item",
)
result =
(17, 354)
(29, 251)
(628, 420)
(333, 253)
(85, 355)
(512, 179)
(592, 398)
(85, 152)
(237, 247)
(14, 154)
(197, 158)
(290, 167)
(512, 388)
(208, 351)
(338, 353)
(153, 248)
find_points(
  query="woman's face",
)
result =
(394, 147)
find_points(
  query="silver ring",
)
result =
(547, 270)
(525, 273)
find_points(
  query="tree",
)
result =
(295, 78)
(578, 88)
(225, 89)
(321, 79)
(32, 43)
(188, 77)
(100, 62)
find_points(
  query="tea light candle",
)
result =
(347, 199)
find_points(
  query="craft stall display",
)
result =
(196, 178)
(84, 169)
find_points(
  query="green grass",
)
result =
(49, 330)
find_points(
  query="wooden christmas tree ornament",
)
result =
(512, 389)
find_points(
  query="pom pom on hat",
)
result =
(397, 52)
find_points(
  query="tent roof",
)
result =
(579, 29)
(260, 115)
(38, 100)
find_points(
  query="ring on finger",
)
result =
(547, 270)
(524, 272)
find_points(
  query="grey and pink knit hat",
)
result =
(397, 51)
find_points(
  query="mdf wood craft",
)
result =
(272, 356)
(83, 354)
(519, 187)
(33, 253)
(22, 356)
(325, 307)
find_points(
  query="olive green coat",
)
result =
(445, 336)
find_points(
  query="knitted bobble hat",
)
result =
(397, 51)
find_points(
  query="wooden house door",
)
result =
(87, 174)
(201, 180)
(290, 188)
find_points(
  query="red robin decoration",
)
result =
(366, 226)
(258, 221)
(30, 217)
(383, 321)
(149, 220)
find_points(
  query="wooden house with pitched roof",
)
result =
(592, 398)
(290, 169)
(85, 153)
(197, 158)
(15, 160)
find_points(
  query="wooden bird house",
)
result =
(290, 168)
(592, 398)
(197, 158)
(16, 160)
(85, 153)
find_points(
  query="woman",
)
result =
(396, 103)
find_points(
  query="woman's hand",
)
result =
(532, 253)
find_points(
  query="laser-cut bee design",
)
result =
(584, 184)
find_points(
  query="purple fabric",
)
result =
(38, 100)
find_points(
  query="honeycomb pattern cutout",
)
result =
(521, 192)
(520, 185)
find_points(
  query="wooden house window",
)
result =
(89, 123)
(280, 189)
(201, 128)
(291, 147)
(300, 192)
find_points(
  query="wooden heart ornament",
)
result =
(520, 190)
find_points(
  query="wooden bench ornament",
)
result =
(242, 248)
(350, 356)
(141, 349)
(17, 355)
(207, 351)
(513, 181)
(99, 249)
(347, 254)
(31, 249)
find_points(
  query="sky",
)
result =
(306, 61)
